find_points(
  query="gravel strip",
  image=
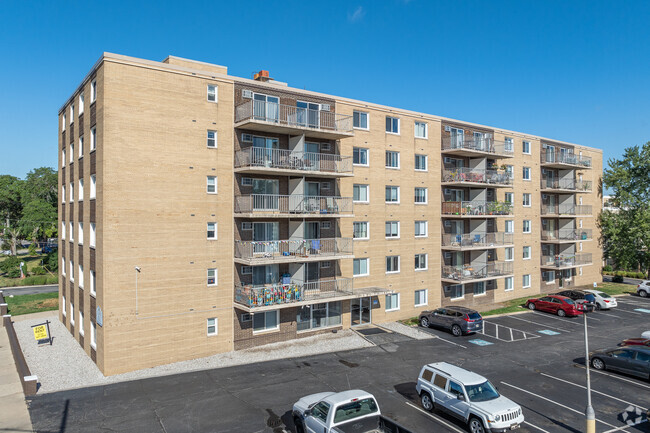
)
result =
(65, 365)
(409, 331)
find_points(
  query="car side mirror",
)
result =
(460, 397)
(307, 413)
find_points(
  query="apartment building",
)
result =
(203, 213)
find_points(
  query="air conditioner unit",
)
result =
(448, 160)
(246, 270)
(447, 128)
(447, 191)
(326, 225)
(325, 264)
(447, 223)
(247, 138)
(247, 94)
(324, 107)
(246, 181)
(247, 226)
(325, 185)
(246, 317)
(325, 146)
(447, 255)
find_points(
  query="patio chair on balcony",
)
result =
(456, 242)
(477, 239)
(315, 246)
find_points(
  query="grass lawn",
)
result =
(25, 304)
(30, 262)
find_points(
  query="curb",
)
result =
(28, 287)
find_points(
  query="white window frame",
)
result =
(512, 254)
(367, 188)
(527, 173)
(93, 186)
(398, 125)
(81, 322)
(71, 113)
(399, 264)
(426, 195)
(81, 103)
(63, 230)
(212, 88)
(462, 292)
(530, 252)
(426, 297)
(93, 283)
(398, 195)
(367, 115)
(63, 119)
(393, 308)
(367, 230)
(81, 146)
(215, 325)
(512, 284)
(71, 192)
(426, 130)
(530, 226)
(393, 224)
(211, 181)
(215, 237)
(71, 262)
(93, 335)
(426, 162)
(93, 138)
(476, 295)
(530, 200)
(71, 313)
(525, 144)
(63, 304)
(510, 223)
(63, 267)
(63, 160)
(215, 275)
(277, 320)
(511, 196)
(93, 91)
(360, 150)
(81, 189)
(426, 229)
(247, 270)
(426, 259)
(62, 193)
(80, 270)
(93, 235)
(71, 153)
(523, 281)
(399, 163)
(579, 246)
(80, 232)
(71, 227)
(212, 140)
(367, 261)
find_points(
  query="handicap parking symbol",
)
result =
(643, 310)
(548, 332)
(480, 342)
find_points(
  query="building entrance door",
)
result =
(360, 311)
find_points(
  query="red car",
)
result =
(560, 305)
(636, 342)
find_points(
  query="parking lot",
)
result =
(534, 358)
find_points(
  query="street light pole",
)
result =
(589, 411)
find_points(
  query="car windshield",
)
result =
(473, 316)
(482, 392)
(569, 301)
(603, 295)
(355, 409)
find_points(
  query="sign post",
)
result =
(42, 332)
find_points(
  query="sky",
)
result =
(576, 71)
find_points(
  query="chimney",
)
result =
(262, 76)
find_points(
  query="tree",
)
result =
(41, 183)
(625, 232)
(10, 198)
(39, 220)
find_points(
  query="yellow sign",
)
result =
(40, 332)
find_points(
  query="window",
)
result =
(212, 139)
(81, 276)
(326, 225)
(80, 233)
(360, 156)
(71, 313)
(421, 195)
(479, 288)
(63, 230)
(526, 281)
(526, 200)
(392, 229)
(321, 411)
(392, 302)
(81, 322)
(421, 297)
(212, 277)
(63, 311)
(360, 230)
(421, 162)
(71, 227)
(392, 125)
(93, 139)
(266, 321)
(360, 193)
(509, 198)
(93, 283)
(548, 276)
(440, 382)
(326, 264)
(360, 119)
(93, 186)
(392, 264)
(526, 147)
(81, 103)
(71, 269)
(510, 254)
(457, 291)
(93, 91)
(455, 389)
(509, 144)
(93, 335)
(510, 226)
(212, 230)
(360, 267)
(579, 223)
(81, 189)
(63, 158)
(580, 271)
(71, 153)
(510, 171)
(579, 246)
(212, 93)
(212, 326)
(63, 194)
(392, 194)
(526, 173)
(71, 192)
(318, 316)
(212, 185)
(526, 226)
(63, 267)
(421, 130)
(509, 284)
(71, 114)
(63, 122)
(421, 262)
(93, 235)
(526, 253)
(392, 159)
(421, 229)
(81, 146)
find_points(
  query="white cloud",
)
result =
(357, 15)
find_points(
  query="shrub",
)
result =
(52, 279)
(36, 280)
(607, 268)
(52, 261)
(14, 272)
(640, 275)
(39, 270)
(32, 249)
(11, 262)
(617, 279)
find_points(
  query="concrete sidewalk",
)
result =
(15, 416)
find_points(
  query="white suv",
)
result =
(467, 396)
(643, 289)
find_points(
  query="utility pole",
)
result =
(589, 411)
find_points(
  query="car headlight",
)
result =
(497, 418)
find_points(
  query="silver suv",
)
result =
(643, 289)
(467, 396)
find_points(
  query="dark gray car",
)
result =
(626, 359)
(459, 320)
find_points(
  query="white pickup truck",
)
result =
(352, 411)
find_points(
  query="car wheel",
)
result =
(531, 306)
(561, 312)
(597, 307)
(426, 401)
(598, 364)
(298, 424)
(643, 293)
(456, 331)
(424, 322)
(476, 425)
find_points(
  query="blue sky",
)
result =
(576, 71)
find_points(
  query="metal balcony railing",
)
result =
(569, 158)
(478, 240)
(476, 207)
(293, 204)
(292, 116)
(490, 177)
(477, 271)
(286, 250)
(565, 260)
(291, 160)
(566, 209)
(296, 291)
(567, 235)
(483, 144)
(567, 184)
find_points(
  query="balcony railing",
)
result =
(476, 208)
(566, 260)
(478, 240)
(296, 291)
(483, 144)
(293, 204)
(566, 184)
(292, 116)
(490, 177)
(566, 209)
(557, 157)
(292, 249)
(477, 272)
(567, 235)
(291, 160)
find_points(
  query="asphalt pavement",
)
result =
(30, 290)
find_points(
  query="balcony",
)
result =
(458, 145)
(292, 250)
(564, 261)
(469, 176)
(295, 205)
(478, 241)
(569, 210)
(476, 209)
(476, 272)
(568, 185)
(286, 119)
(559, 159)
(566, 235)
(268, 161)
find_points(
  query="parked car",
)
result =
(467, 396)
(5, 253)
(588, 300)
(603, 300)
(636, 342)
(643, 289)
(348, 411)
(634, 360)
(645, 334)
(459, 320)
(48, 249)
(560, 305)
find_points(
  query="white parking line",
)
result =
(562, 320)
(540, 324)
(559, 404)
(538, 428)
(440, 420)
(621, 310)
(450, 342)
(614, 376)
(623, 427)
(594, 391)
(507, 330)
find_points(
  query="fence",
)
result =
(477, 239)
(295, 291)
(476, 207)
(477, 271)
(464, 174)
(292, 204)
(292, 160)
(285, 249)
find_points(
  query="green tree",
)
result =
(39, 220)
(41, 183)
(10, 198)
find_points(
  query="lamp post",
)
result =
(137, 271)
(589, 411)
